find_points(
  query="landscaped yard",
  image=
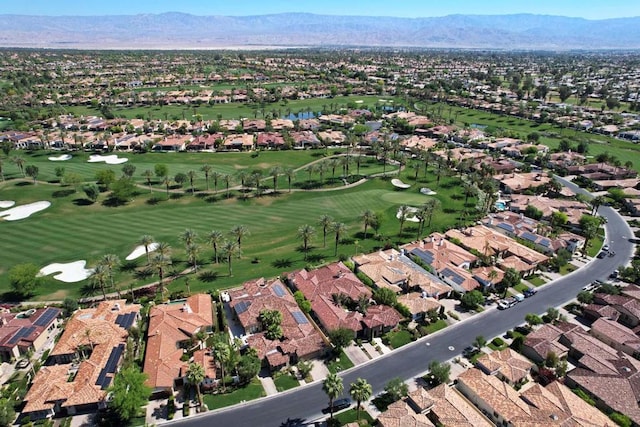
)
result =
(536, 280)
(399, 338)
(436, 326)
(252, 391)
(351, 416)
(285, 382)
(568, 268)
(339, 364)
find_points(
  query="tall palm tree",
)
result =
(148, 174)
(239, 232)
(163, 249)
(192, 254)
(19, 161)
(255, 178)
(195, 375)
(146, 241)
(159, 262)
(215, 238)
(360, 391)
(1, 171)
(166, 180)
(306, 233)
(227, 179)
(368, 217)
(110, 262)
(221, 350)
(207, 170)
(469, 190)
(242, 176)
(191, 175)
(290, 174)
(230, 249)
(188, 236)
(339, 228)
(432, 206)
(325, 222)
(99, 277)
(333, 387)
(403, 214)
(274, 172)
(322, 169)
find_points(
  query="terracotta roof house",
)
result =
(172, 143)
(573, 208)
(332, 137)
(255, 125)
(304, 139)
(507, 364)
(444, 405)
(616, 335)
(83, 363)
(269, 140)
(171, 328)
(279, 124)
(419, 304)
(400, 414)
(300, 339)
(206, 141)
(238, 142)
(415, 142)
(518, 182)
(21, 333)
(546, 339)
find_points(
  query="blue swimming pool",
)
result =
(500, 205)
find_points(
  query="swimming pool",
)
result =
(501, 205)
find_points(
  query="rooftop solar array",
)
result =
(242, 306)
(46, 317)
(277, 289)
(110, 367)
(529, 236)
(545, 242)
(126, 320)
(300, 317)
(423, 255)
(505, 226)
(458, 279)
(22, 332)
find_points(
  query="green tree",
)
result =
(215, 239)
(128, 170)
(248, 366)
(221, 350)
(195, 375)
(122, 191)
(147, 175)
(368, 218)
(192, 251)
(161, 170)
(99, 278)
(7, 412)
(239, 232)
(361, 391)
(439, 372)
(110, 262)
(510, 279)
(180, 179)
(385, 296)
(69, 305)
(105, 177)
(304, 368)
(332, 387)
(479, 342)
(553, 314)
(340, 338)
(73, 179)
(192, 175)
(129, 393)
(32, 171)
(188, 237)
(589, 226)
(271, 324)
(230, 249)
(396, 389)
(532, 320)
(585, 297)
(339, 228)
(159, 262)
(472, 299)
(325, 222)
(207, 172)
(403, 214)
(19, 161)
(92, 191)
(146, 241)
(24, 279)
(306, 233)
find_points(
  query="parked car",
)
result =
(338, 405)
(605, 248)
(519, 297)
(512, 301)
(469, 350)
(614, 274)
(602, 254)
(503, 304)
(22, 363)
(530, 292)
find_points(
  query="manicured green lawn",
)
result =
(71, 229)
(252, 391)
(536, 280)
(285, 382)
(351, 416)
(399, 338)
(435, 327)
(521, 287)
(340, 364)
(566, 269)
(595, 245)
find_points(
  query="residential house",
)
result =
(205, 142)
(300, 339)
(305, 139)
(508, 365)
(83, 362)
(242, 142)
(332, 137)
(400, 414)
(172, 143)
(445, 405)
(539, 343)
(616, 336)
(270, 140)
(21, 333)
(572, 208)
(419, 305)
(172, 329)
(515, 183)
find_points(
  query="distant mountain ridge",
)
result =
(183, 31)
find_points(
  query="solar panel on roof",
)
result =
(242, 306)
(300, 317)
(529, 236)
(22, 332)
(126, 320)
(545, 242)
(46, 317)
(277, 289)
(105, 383)
(457, 279)
(423, 255)
(505, 226)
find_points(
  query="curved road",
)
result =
(305, 404)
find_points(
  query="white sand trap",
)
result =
(24, 211)
(61, 158)
(110, 160)
(427, 191)
(399, 184)
(139, 251)
(411, 217)
(4, 204)
(70, 272)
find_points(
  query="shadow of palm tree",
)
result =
(282, 263)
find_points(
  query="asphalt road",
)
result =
(305, 404)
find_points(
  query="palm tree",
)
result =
(596, 202)
(322, 169)
(192, 253)
(256, 177)
(306, 232)
(146, 241)
(19, 161)
(325, 222)
(339, 228)
(469, 190)
(163, 249)
(188, 236)
(230, 249)
(215, 238)
(403, 214)
(166, 180)
(239, 232)
(148, 174)
(99, 278)
(274, 172)
(368, 217)
(195, 375)
(110, 262)
(207, 170)
(221, 353)
(431, 205)
(480, 342)
(360, 391)
(1, 171)
(333, 387)
(242, 177)
(191, 175)
(290, 174)
(159, 262)
(227, 179)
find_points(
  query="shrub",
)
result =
(453, 315)
(498, 342)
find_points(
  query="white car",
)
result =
(503, 305)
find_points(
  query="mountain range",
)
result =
(183, 31)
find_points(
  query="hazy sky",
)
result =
(590, 9)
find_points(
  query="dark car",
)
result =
(602, 255)
(529, 292)
(338, 405)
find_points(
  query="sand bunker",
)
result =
(24, 211)
(427, 191)
(60, 158)
(399, 184)
(139, 251)
(411, 215)
(110, 160)
(70, 272)
(4, 204)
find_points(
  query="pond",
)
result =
(302, 115)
